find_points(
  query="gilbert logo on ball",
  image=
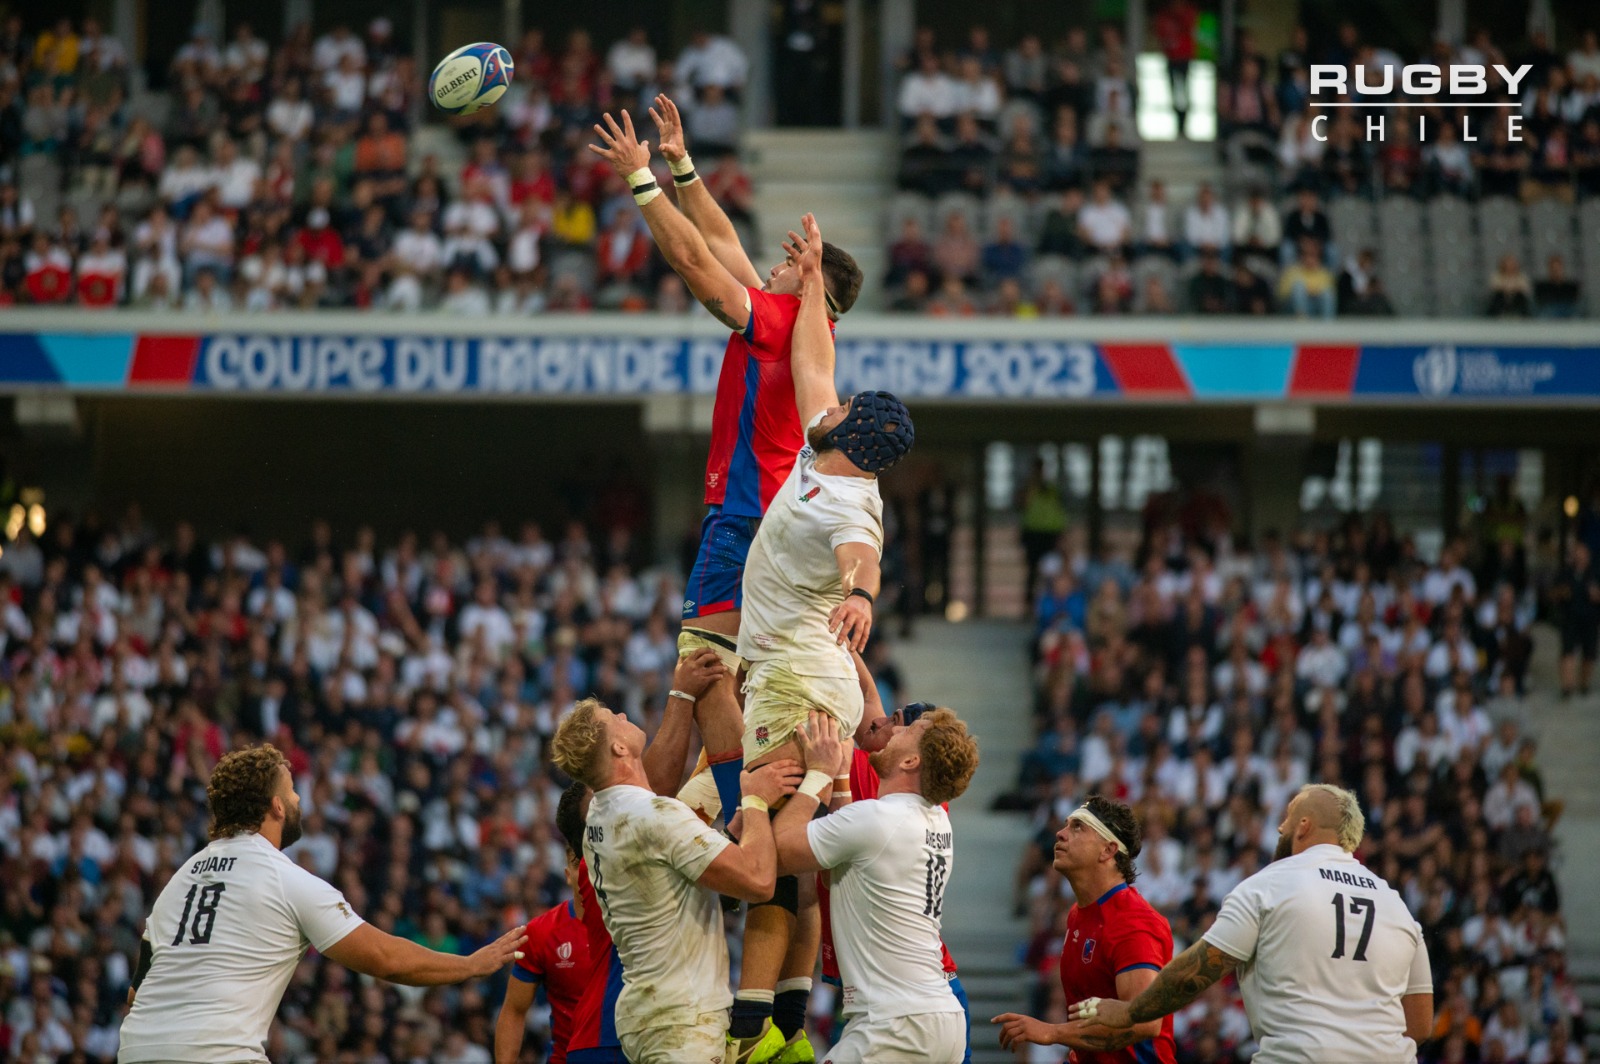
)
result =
(470, 78)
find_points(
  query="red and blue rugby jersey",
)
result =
(1118, 933)
(594, 1019)
(755, 428)
(557, 956)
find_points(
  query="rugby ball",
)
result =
(470, 78)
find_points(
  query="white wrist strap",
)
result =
(815, 783)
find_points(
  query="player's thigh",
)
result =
(936, 1038)
(715, 584)
(777, 700)
(702, 1042)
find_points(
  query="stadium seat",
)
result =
(964, 203)
(1550, 232)
(908, 205)
(1500, 230)
(1005, 205)
(1053, 267)
(1350, 217)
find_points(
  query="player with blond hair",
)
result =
(1331, 963)
(657, 871)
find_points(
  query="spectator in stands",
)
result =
(1577, 596)
(1104, 223)
(1205, 225)
(1556, 294)
(1174, 29)
(1061, 233)
(956, 253)
(1257, 232)
(1510, 290)
(1004, 257)
(1500, 163)
(1066, 163)
(713, 59)
(713, 123)
(1448, 164)
(1114, 161)
(207, 296)
(1155, 228)
(1247, 115)
(1027, 69)
(1153, 297)
(1020, 167)
(1113, 286)
(1346, 167)
(1249, 293)
(1360, 288)
(1010, 302)
(1300, 151)
(912, 296)
(925, 165)
(1306, 287)
(1208, 288)
(631, 61)
(971, 157)
(952, 300)
(975, 92)
(927, 92)
(622, 252)
(1306, 222)
(730, 184)
(909, 253)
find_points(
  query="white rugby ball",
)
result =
(470, 78)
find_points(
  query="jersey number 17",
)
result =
(1357, 905)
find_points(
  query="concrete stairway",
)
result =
(981, 669)
(842, 176)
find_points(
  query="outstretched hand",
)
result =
(622, 147)
(501, 952)
(806, 251)
(669, 125)
(1108, 1012)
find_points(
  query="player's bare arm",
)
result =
(851, 620)
(1094, 1037)
(396, 960)
(1184, 978)
(749, 869)
(696, 201)
(513, 1021)
(665, 756)
(811, 358)
(1419, 1016)
(680, 242)
(827, 754)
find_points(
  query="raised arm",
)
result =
(665, 756)
(396, 960)
(811, 359)
(680, 242)
(696, 201)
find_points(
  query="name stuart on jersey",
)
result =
(1347, 879)
(213, 864)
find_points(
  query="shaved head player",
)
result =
(1116, 942)
(231, 925)
(1331, 963)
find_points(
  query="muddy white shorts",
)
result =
(928, 1038)
(702, 1042)
(778, 698)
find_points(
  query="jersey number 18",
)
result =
(205, 916)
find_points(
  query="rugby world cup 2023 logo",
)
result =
(1435, 370)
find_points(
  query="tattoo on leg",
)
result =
(1181, 981)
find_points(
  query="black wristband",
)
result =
(864, 593)
(687, 178)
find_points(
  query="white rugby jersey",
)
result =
(226, 934)
(791, 577)
(891, 859)
(1329, 950)
(645, 854)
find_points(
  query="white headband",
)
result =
(1082, 813)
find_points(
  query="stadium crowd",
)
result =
(413, 685)
(1204, 684)
(1061, 216)
(289, 176)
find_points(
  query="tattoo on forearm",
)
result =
(1181, 981)
(1110, 1042)
(715, 307)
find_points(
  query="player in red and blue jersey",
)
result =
(1116, 942)
(594, 1021)
(558, 957)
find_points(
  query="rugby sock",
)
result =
(751, 1011)
(789, 1006)
(726, 773)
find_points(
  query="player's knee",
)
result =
(786, 895)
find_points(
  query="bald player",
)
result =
(1331, 964)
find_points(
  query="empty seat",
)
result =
(962, 203)
(1551, 232)
(1350, 218)
(1500, 230)
(906, 205)
(1006, 206)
